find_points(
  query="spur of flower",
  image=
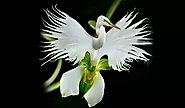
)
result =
(74, 44)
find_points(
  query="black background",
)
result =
(144, 86)
(140, 87)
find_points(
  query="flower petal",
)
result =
(69, 83)
(121, 46)
(95, 94)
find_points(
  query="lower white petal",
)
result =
(69, 83)
(95, 94)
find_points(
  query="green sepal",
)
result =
(103, 65)
(86, 60)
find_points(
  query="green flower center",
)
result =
(87, 80)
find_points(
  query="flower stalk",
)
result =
(112, 8)
(55, 74)
(52, 87)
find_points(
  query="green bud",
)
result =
(92, 24)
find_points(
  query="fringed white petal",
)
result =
(95, 94)
(69, 37)
(120, 44)
(69, 83)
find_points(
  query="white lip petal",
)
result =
(69, 83)
(95, 94)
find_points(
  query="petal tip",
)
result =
(90, 105)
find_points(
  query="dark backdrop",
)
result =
(158, 83)
(140, 87)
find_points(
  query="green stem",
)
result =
(112, 8)
(57, 70)
(53, 77)
(52, 87)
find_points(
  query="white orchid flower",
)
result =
(86, 78)
(72, 43)
(70, 83)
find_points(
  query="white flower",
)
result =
(72, 42)
(70, 82)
